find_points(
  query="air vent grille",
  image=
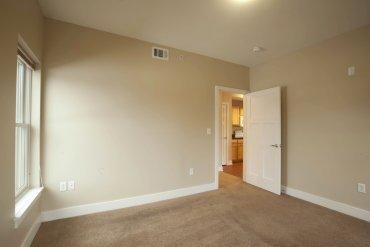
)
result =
(160, 53)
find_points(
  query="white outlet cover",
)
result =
(191, 171)
(63, 186)
(351, 71)
(209, 131)
(361, 188)
(71, 185)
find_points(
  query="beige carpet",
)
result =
(235, 215)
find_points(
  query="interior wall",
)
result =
(120, 123)
(326, 116)
(25, 18)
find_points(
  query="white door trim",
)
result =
(227, 117)
(217, 157)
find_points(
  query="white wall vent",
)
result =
(160, 53)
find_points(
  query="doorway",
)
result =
(232, 133)
(229, 132)
(248, 137)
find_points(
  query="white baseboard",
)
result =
(328, 203)
(31, 233)
(123, 203)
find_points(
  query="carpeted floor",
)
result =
(235, 215)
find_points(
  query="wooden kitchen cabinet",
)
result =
(234, 150)
(237, 114)
(237, 150)
(240, 150)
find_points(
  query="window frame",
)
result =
(23, 125)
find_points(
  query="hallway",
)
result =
(234, 169)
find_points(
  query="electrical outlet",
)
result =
(71, 185)
(63, 186)
(209, 131)
(361, 188)
(351, 71)
(191, 171)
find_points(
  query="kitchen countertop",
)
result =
(237, 138)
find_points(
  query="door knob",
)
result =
(275, 145)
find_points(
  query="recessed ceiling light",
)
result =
(241, 1)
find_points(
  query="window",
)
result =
(22, 125)
(28, 182)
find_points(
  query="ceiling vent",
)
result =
(160, 53)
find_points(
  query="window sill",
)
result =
(23, 206)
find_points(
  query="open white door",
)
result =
(262, 142)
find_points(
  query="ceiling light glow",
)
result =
(241, 1)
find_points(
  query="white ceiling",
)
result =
(224, 29)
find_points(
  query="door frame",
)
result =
(217, 125)
(227, 105)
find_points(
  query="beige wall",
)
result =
(122, 124)
(16, 17)
(326, 116)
